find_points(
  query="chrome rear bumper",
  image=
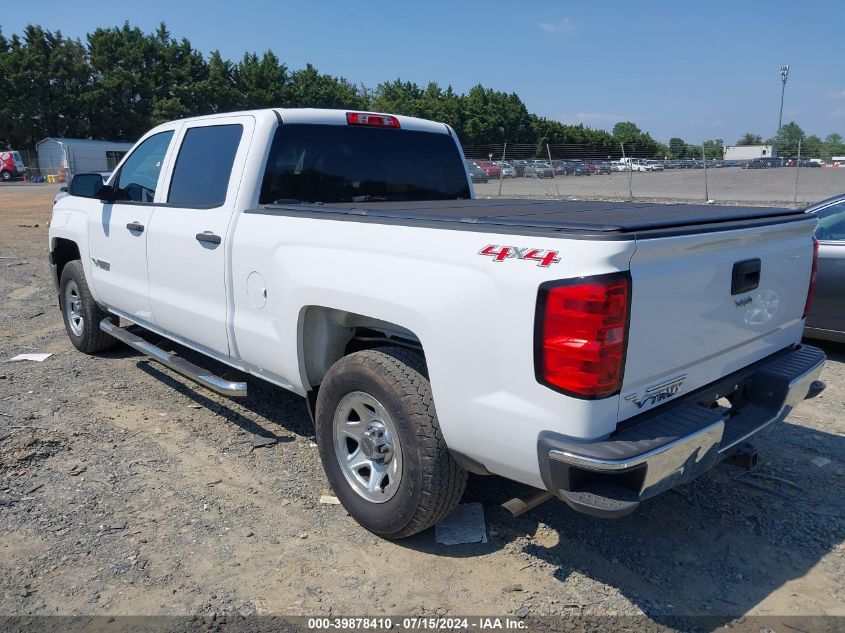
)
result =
(680, 440)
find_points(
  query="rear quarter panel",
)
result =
(474, 317)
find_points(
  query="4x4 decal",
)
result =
(543, 258)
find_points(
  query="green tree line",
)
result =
(121, 82)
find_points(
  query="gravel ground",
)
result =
(125, 490)
(724, 185)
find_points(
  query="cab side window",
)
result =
(138, 176)
(202, 171)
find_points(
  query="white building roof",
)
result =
(87, 142)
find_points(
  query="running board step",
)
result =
(174, 362)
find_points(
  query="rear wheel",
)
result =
(81, 313)
(381, 446)
(7, 176)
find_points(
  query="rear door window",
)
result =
(204, 166)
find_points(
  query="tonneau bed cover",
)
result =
(613, 220)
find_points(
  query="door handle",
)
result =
(134, 226)
(209, 238)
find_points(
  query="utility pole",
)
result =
(784, 73)
(502, 170)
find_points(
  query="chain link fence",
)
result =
(620, 172)
(613, 172)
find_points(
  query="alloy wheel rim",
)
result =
(367, 448)
(73, 308)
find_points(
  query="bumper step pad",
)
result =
(602, 500)
(678, 441)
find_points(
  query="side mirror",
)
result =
(63, 189)
(90, 186)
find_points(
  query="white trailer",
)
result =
(749, 152)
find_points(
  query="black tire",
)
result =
(7, 176)
(91, 338)
(432, 482)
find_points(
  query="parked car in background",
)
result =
(577, 168)
(764, 163)
(491, 169)
(654, 165)
(560, 167)
(538, 170)
(11, 166)
(570, 167)
(519, 166)
(508, 170)
(826, 318)
(61, 193)
(804, 162)
(597, 166)
(637, 164)
(477, 174)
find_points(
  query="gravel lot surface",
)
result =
(726, 184)
(126, 490)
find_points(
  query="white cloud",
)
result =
(838, 113)
(564, 25)
(837, 94)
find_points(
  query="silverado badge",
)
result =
(658, 393)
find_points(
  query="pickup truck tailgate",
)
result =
(699, 311)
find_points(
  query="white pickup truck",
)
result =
(601, 351)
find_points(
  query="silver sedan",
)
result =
(826, 319)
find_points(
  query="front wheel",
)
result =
(381, 446)
(80, 312)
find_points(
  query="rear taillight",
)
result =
(813, 274)
(581, 333)
(372, 120)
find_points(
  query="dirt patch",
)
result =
(22, 448)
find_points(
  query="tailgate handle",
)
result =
(746, 276)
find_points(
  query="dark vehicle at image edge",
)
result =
(826, 318)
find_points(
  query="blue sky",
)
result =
(695, 70)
